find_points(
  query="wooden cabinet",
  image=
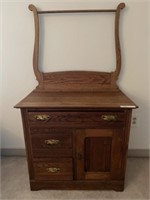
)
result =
(75, 148)
(76, 125)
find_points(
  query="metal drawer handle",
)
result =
(42, 117)
(109, 117)
(52, 142)
(53, 169)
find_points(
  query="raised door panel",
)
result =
(98, 154)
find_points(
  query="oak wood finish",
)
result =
(61, 142)
(78, 100)
(74, 11)
(53, 169)
(89, 149)
(77, 80)
(76, 124)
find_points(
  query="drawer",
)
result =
(78, 119)
(50, 142)
(53, 169)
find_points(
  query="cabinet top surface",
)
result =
(81, 100)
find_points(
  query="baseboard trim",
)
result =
(143, 153)
(13, 152)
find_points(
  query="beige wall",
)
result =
(17, 46)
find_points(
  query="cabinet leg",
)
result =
(119, 188)
(33, 187)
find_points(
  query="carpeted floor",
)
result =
(15, 185)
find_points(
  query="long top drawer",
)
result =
(107, 118)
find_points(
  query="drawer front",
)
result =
(51, 142)
(53, 169)
(77, 118)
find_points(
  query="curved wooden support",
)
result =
(77, 80)
(116, 73)
(37, 73)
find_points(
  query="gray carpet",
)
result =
(15, 185)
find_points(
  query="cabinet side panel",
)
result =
(126, 141)
(27, 143)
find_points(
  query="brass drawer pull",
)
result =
(52, 142)
(53, 169)
(109, 117)
(42, 117)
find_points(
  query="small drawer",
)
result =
(78, 119)
(51, 142)
(53, 169)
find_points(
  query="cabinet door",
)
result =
(98, 154)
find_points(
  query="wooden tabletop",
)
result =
(76, 100)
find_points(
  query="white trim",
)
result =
(131, 152)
